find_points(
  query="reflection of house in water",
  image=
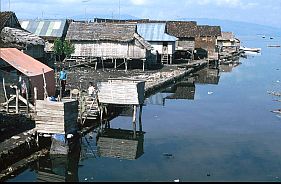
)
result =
(207, 76)
(228, 67)
(158, 99)
(117, 143)
(183, 90)
(62, 168)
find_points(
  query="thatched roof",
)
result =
(12, 37)
(5, 17)
(81, 31)
(226, 36)
(205, 30)
(182, 29)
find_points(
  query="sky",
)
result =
(264, 12)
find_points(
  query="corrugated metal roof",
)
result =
(44, 28)
(23, 62)
(154, 32)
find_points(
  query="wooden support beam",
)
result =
(126, 65)
(35, 96)
(140, 121)
(17, 100)
(115, 63)
(134, 121)
(143, 64)
(101, 116)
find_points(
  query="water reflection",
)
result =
(59, 168)
(208, 76)
(121, 144)
(182, 90)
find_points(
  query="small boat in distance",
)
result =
(273, 46)
(250, 49)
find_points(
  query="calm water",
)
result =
(222, 131)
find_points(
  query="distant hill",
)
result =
(239, 28)
(104, 16)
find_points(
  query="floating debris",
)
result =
(168, 155)
(210, 93)
(16, 137)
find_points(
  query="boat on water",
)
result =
(250, 49)
(273, 46)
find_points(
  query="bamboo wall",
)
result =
(56, 117)
(109, 50)
(122, 92)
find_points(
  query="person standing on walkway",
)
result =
(63, 78)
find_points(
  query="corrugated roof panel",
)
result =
(48, 28)
(154, 32)
(24, 24)
(39, 28)
(22, 62)
(44, 28)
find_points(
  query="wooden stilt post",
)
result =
(17, 100)
(126, 65)
(96, 64)
(101, 116)
(140, 115)
(115, 63)
(35, 97)
(134, 121)
(27, 99)
(102, 64)
(143, 64)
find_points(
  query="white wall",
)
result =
(159, 46)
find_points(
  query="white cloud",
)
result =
(139, 2)
(223, 3)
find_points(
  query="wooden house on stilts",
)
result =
(162, 43)
(107, 41)
(185, 31)
(207, 40)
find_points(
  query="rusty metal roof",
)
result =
(23, 62)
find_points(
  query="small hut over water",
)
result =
(228, 42)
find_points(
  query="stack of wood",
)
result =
(56, 117)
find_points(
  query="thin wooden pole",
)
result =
(134, 121)
(126, 64)
(140, 115)
(101, 114)
(27, 97)
(115, 64)
(143, 64)
(35, 96)
(17, 100)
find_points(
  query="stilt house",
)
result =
(162, 43)
(107, 41)
(185, 31)
(207, 40)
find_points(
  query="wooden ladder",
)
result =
(165, 59)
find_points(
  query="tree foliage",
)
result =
(65, 48)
